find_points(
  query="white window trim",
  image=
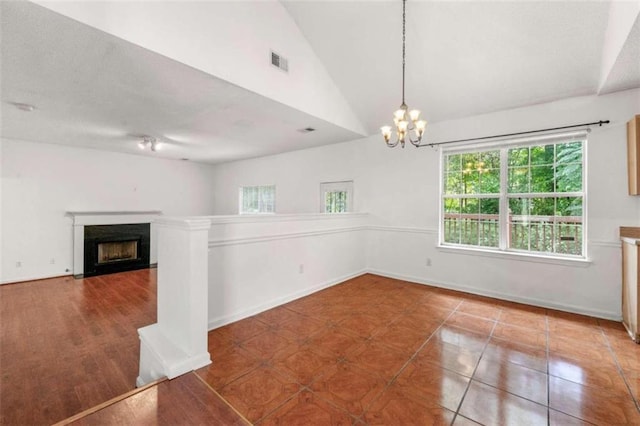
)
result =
(503, 250)
(345, 185)
(535, 257)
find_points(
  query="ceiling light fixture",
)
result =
(406, 121)
(23, 107)
(150, 142)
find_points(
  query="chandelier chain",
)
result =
(404, 3)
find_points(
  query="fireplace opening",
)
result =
(116, 248)
(117, 251)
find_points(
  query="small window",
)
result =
(257, 199)
(336, 197)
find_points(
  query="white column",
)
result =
(177, 343)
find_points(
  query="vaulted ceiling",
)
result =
(197, 76)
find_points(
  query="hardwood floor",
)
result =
(67, 345)
(370, 351)
(185, 400)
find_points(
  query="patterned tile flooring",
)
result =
(375, 351)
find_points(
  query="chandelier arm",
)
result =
(393, 144)
(415, 143)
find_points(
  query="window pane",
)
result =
(518, 157)
(569, 178)
(250, 199)
(491, 159)
(542, 179)
(469, 230)
(518, 180)
(470, 206)
(569, 225)
(547, 225)
(336, 197)
(453, 183)
(336, 202)
(453, 163)
(266, 199)
(469, 226)
(542, 206)
(490, 181)
(569, 206)
(541, 224)
(541, 155)
(257, 199)
(469, 160)
(569, 237)
(452, 220)
(519, 223)
(470, 181)
(569, 153)
(489, 228)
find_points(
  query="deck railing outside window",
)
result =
(545, 234)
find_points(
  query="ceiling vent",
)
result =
(307, 130)
(278, 61)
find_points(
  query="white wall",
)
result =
(256, 263)
(400, 190)
(40, 182)
(297, 176)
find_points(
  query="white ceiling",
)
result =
(463, 58)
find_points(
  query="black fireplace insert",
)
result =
(116, 248)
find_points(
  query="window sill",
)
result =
(524, 257)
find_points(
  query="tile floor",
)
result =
(375, 351)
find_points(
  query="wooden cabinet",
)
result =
(633, 155)
(630, 280)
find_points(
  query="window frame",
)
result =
(338, 186)
(504, 196)
(260, 189)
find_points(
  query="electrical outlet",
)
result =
(301, 269)
(52, 261)
(18, 264)
(428, 262)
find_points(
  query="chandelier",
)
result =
(405, 121)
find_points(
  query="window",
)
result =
(257, 199)
(516, 197)
(336, 197)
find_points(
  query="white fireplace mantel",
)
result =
(88, 218)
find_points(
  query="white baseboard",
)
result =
(35, 278)
(226, 319)
(614, 316)
(161, 357)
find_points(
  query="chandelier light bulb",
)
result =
(414, 114)
(386, 132)
(142, 145)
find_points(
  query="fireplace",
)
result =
(116, 248)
